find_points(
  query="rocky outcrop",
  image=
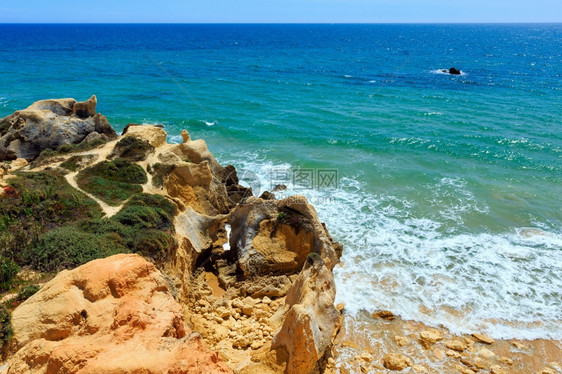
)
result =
(276, 236)
(312, 321)
(50, 124)
(253, 275)
(86, 108)
(454, 71)
(114, 315)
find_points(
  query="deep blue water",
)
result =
(448, 185)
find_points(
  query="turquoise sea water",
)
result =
(449, 187)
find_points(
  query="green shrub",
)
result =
(104, 226)
(64, 149)
(74, 163)
(112, 181)
(147, 211)
(159, 173)
(8, 271)
(153, 243)
(68, 247)
(132, 148)
(154, 201)
(27, 291)
(144, 225)
(6, 329)
(41, 201)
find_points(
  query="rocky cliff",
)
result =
(252, 277)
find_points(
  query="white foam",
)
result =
(507, 285)
(226, 246)
(175, 139)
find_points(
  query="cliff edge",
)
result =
(251, 277)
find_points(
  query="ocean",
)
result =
(444, 189)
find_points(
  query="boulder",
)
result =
(396, 361)
(430, 337)
(270, 236)
(483, 338)
(312, 320)
(454, 71)
(113, 315)
(154, 135)
(455, 345)
(49, 124)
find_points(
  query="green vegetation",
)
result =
(313, 257)
(132, 148)
(6, 329)
(294, 219)
(159, 173)
(65, 149)
(112, 181)
(4, 127)
(26, 292)
(8, 271)
(76, 162)
(48, 225)
(35, 203)
(68, 247)
(144, 225)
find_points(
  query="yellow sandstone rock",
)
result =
(455, 345)
(430, 337)
(483, 338)
(497, 369)
(396, 361)
(401, 340)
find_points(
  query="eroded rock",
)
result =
(396, 361)
(430, 337)
(312, 320)
(113, 315)
(49, 124)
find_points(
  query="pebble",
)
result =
(497, 369)
(483, 338)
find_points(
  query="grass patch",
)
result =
(132, 148)
(35, 203)
(113, 181)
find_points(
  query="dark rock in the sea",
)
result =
(50, 124)
(454, 71)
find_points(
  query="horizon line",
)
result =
(288, 23)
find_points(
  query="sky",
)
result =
(279, 11)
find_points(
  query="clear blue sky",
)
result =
(265, 11)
